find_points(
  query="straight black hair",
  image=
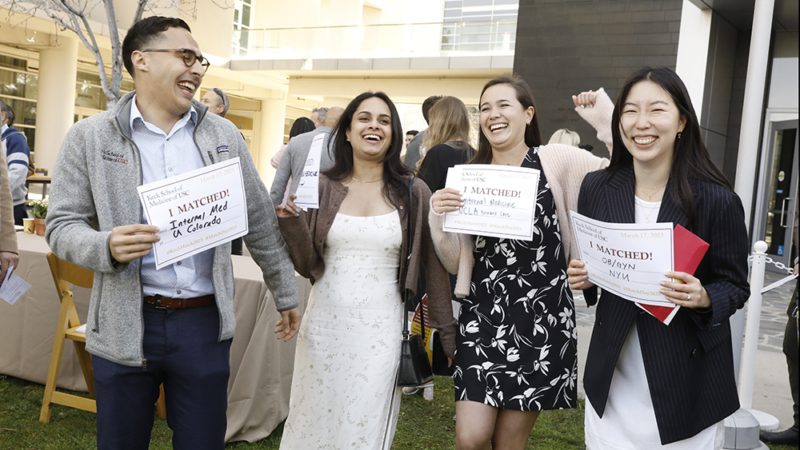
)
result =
(690, 159)
(395, 173)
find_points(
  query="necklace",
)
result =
(650, 196)
(647, 212)
(354, 178)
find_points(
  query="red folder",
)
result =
(689, 250)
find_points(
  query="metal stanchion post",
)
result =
(743, 426)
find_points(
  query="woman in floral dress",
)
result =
(516, 351)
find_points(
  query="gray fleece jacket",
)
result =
(94, 190)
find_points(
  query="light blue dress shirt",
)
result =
(164, 156)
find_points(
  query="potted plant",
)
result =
(39, 213)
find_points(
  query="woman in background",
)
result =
(299, 126)
(649, 385)
(353, 249)
(447, 139)
(565, 136)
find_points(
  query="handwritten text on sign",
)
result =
(499, 201)
(196, 210)
(627, 259)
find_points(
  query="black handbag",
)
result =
(414, 370)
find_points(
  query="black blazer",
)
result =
(689, 364)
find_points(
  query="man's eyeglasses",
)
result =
(189, 57)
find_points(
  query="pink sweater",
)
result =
(564, 166)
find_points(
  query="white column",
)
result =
(268, 134)
(55, 104)
(752, 110)
(693, 39)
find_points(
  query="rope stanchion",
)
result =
(742, 427)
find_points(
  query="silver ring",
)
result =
(688, 297)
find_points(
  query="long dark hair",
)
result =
(690, 159)
(533, 137)
(301, 125)
(395, 173)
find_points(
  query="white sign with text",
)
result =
(499, 201)
(627, 259)
(308, 188)
(196, 210)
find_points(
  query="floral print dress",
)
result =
(516, 345)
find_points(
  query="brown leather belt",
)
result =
(159, 301)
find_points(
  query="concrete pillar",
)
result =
(752, 109)
(268, 133)
(692, 57)
(55, 105)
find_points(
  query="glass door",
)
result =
(780, 202)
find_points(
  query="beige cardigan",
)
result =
(564, 166)
(8, 236)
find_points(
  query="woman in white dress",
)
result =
(353, 249)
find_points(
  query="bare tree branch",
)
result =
(75, 15)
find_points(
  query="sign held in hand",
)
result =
(499, 201)
(627, 259)
(196, 210)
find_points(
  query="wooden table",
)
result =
(44, 180)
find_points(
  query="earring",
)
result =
(678, 137)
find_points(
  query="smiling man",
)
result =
(146, 326)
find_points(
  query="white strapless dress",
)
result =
(344, 393)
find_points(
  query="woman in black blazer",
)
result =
(648, 384)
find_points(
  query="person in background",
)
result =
(516, 351)
(145, 326)
(299, 126)
(791, 435)
(353, 249)
(318, 116)
(410, 134)
(217, 101)
(290, 171)
(17, 155)
(413, 150)
(447, 141)
(649, 385)
(9, 254)
(566, 137)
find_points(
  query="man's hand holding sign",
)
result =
(192, 212)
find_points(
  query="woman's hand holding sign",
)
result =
(446, 200)
(685, 290)
(578, 276)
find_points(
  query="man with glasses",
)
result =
(146, 326)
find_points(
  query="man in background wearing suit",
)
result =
(290, 170)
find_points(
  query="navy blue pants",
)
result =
(182, 352)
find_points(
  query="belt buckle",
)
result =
(157, 304)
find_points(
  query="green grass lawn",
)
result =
(423, 425)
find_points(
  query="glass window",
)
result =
(478, 25)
